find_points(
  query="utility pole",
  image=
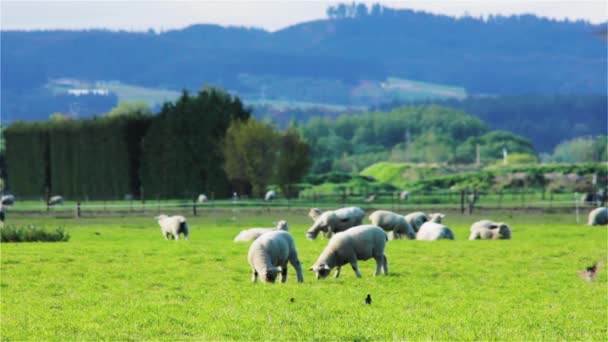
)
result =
(477, 156)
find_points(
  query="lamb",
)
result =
(430, 231)
(435, 217)
(202, 198)
(390, 221)
(598, 216)
(416, 219)
(270, 195)
(314, 213)
(272, 250)
(254, 233)
(172, 226)
(333, 221)
(358, 243)
(55, 200)
(489, 230)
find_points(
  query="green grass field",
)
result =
(118, 279)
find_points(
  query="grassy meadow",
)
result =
(118, 279)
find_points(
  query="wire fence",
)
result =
(451, 201)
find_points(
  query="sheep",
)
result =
(416, 219)
(435, 217)
(430, 231)
(202, 198)
(272, 250)
(390, 221)
(270, 195)
(7, 200)
(486, 230)
(333, 221)
(173, 226)
(254, 233)
(598, 216)
(358, 243)
(404, 195)
(314, 213)
(55, 200)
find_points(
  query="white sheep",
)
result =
(404, 195)
(7, 200)
(314, 213)
(416, 219)
(172, 226)
(254, 233)
(333, 221)
(435, 217)
(430, 231)
(270, 195)
(390, 221)
(202, 198)
(598, 216)
(489, 230)
(271, 251)
(358, 243)
(55, 200)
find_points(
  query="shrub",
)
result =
(31, 233)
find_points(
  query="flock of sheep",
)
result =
(349, 240)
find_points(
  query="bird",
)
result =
(590, 273)
(368, 299)
(292, 300)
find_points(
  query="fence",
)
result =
(444, 200)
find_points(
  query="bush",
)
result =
(32, 233)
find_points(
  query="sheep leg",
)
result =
(284, 273)
(337, 272)
(295, 262)
(355, 267)
(379, 264)
(254, 277)
(385, 264)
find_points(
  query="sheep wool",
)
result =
(430, 231)
(173, 226)
(333, 221)
(358, 243)
(271, 251)
(254, 233)
(598, 217)
(390, 221)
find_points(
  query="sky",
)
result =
(272, 15)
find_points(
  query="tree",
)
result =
(129, 108)
(294, 160)
(250, 150)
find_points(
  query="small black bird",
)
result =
(292, 300)
(368, 299)
(590, 273)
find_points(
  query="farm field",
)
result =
(118, 279)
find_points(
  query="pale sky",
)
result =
(271, 15)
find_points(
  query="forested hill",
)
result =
(500, 55)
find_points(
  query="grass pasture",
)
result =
(118, 279)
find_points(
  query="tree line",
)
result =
(190, 147)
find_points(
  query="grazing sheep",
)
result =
(430, 231)
(358, 243)
(435, 217)
(416, 219)
(314, 213)
(272, 250)
(173, 226)
(598, 216)
(333, 221)
(202, 198)
(270, 195)
(489, 230)
(390, 221)
(404, 195)
(8, 200)
(55, 200)
(254, 233)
